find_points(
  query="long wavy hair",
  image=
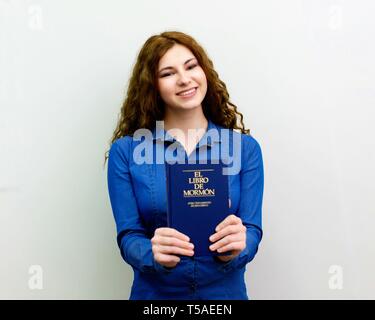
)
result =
(143, 105)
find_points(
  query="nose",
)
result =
(183, 78)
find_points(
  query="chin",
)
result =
(188, 106)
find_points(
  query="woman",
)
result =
(174, 81)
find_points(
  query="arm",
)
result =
(135, 246)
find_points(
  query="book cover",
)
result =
(197, 200)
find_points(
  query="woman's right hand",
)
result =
(167, 243)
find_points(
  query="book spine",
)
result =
(167, 181)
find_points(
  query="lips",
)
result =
(179, 93)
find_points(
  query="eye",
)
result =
(167, 74)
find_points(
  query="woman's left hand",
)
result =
(230, 236)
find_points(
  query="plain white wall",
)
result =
(301, 72)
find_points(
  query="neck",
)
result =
(193, 119)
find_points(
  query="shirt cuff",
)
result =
(227, 266)
(234, 263)
(160, 268)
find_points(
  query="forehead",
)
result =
(177, 54)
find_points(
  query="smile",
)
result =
(188, 94)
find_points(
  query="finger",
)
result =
(166, 259)
(239, 245)
(231, 219)
(174, 250)
(171, 241)
(170, 232)
(225, 241)
(230, 229)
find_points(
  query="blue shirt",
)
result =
(138, 199)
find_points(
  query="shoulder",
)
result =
(249, 142)
(251, 151)
(121, 147)
(123, 142)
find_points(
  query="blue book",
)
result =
(197, 201)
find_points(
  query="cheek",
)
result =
(203, 84)
(166, 89)
(202, 78)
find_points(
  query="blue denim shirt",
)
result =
(139, 203)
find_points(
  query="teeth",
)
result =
(187, 92)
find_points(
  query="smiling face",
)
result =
(179, 71)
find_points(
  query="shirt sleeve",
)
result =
(251, 198)
(135, 246)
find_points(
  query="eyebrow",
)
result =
(172, 67)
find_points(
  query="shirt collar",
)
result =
(159, 133)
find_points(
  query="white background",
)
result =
(301, 72)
